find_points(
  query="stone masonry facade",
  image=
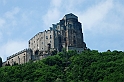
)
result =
(65, 34)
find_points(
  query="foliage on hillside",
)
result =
(89, 66)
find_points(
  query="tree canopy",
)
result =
(89, 66)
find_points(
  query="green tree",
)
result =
(88, 66)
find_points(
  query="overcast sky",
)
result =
(102, 22)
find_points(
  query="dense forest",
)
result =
(88, 66)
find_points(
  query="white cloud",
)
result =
(9, 20)
(2, 22)
(53, 14)
(1, 36)
(56, 3)
(12, 47)
(120, 8)
(90, 18)
(57, 8)
(101, 19)
(3, 2)
(72, 5)
(51, 17)
(11, 14)
(95, 14)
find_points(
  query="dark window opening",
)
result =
(46, 37)
(74, 42)
(24, 59)
(50, 36)
(64, 39)
(74, 36)
(36, 52)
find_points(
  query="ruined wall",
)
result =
(21, 57)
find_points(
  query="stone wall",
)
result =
(65, 34)
(79, 50)
(21, 57)
(41, 40)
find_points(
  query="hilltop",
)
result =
(89, 66)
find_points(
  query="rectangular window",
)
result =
(46, 37)
(12, 62)
(74, 41)
(50, 36)
(24, 59)
(19, 59)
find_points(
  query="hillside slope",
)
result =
(89, 66)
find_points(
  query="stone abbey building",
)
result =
(65, 34)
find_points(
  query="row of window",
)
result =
(50, 37)
(42, 38)
(37, 44)
(18, 60)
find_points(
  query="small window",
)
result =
(46, 37)
(64, 39)
(8, 62)
(12, 61)
(19, 59)
(74, 42)
(50, 41)
(24, 59)
(50, 36)
(42, 42)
